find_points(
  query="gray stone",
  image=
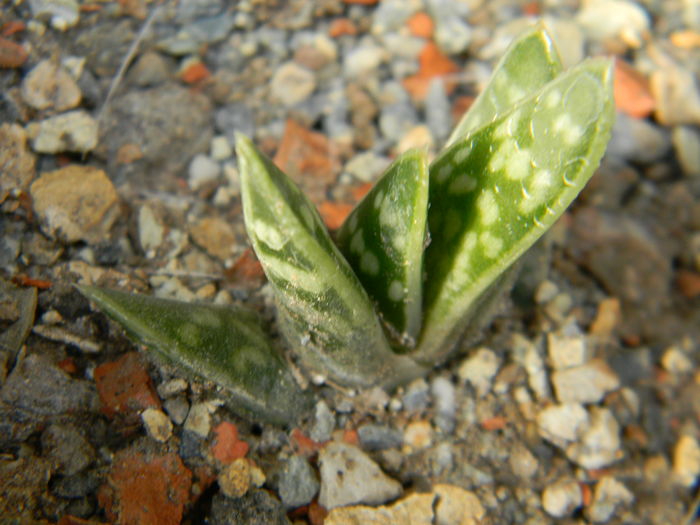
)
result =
(50, 86)
(609, 494)
(396, 119)
(438, 110)
(686, 143)
(73, 131)
(187, 11)
(416, 397)
(67, 449)
(363, 60)
(349, 476)
(391, 15)
(561, 498)
(77, 485)
(479, 370)
(452, 34)
(151, 69)
(587, 383)
(366, 166)
(37, 386)
(199, 420)
(444, 403)
(177, 408)
(297, 482)
(599, 444)
(379, 437)
(324, 423)
(209, 30)
(203, 171)
(292, 84)
(61, 13)
(257, 507)
(234, 118)
(637, 140)
(527, 354)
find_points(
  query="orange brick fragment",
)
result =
(632, 93)
(303, 445)
(317, 514)
(341, 27)
(421, 25)
(124, 386)
(11, 54)
(12, 27)
(227, 447)
(688, 283)
(334, 213)
(494, 423)
(246, 271)
(433, 63)
(195, 73)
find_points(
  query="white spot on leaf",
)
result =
(369, 263)
(488, 207)
(462, 184)
(491, 244)
(396, 291)
(268, 234)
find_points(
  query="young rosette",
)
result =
(417, 262)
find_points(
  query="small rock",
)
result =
(234, 118)
(479, 370)
(157, 424)
(677, 96)
(686, 143)
(452, 33)
(599, 443)
(151, 231)
(74, 131)
(456, 506)
(215, 236)
(562, 424)
(75, 203)
(61, 13)
(149, 70)
(379, 437)
(417, 396)
(363, 59)
(614, 19)
(199, 420)
(418, 137)
(227, 447)
(567, 347)
(587, 383)
(443, 393)
(202, 172)
(529, 357)
(257, 507)
(17, 163)
(234, 479)
(124, 386)
(608, 495)
(292, 84)
(686, 460)
(67, 449)
(391, 15)
(545, 292)
(297, 483)
(348, 476)
(676, 361)
(523, 463)
(395, 119)
(49, 86)
(638, 140)
(418, 435)
(324, 423)
(607, 317)
(77, 485)
(177, 408)
(366, 166)
(220, 148)
(562, 498)
(38, 386)
(172, 387)
(416, 509)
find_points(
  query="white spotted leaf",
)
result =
(383, 240)
(496, 191)
(323, 310)
(529, 63)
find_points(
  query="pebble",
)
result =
(297, 483)
(67, 449)
(609, 494)
(561, 498)
(234, 479)
(172, 387)
(686, 144)
(220, 148)
(456, 506)
(418, 137)
(417, 396)
(349, 476)
(256, 507)
(292, 84)
(686, 460)
(437, 110)
(638, 140)
(416, 509)
(150, 69)
(232, 118)
(366, 166)
(36, 385)
(522, 462)
(151, 231)
(417, 435)
(530, 358)
(444, 403)
(677, 362)
(395, 119)
(677, 95)
(50, 86)
(74, 131)
(599, 444)
(177, 408)
(379, 437)
(567, 347)
(452, 33)
(324, 423)
(587, 383)
(75, 203)
(62, 14)
(203, 171)
(363, 59)
(480, 369)
(17, 163)
(215, 236)
(571, 42)
(157, 424)
(614, 19)
(199, 419)
(562, 424)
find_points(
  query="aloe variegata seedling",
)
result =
(416, 262)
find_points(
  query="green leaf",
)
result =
(494, 193)
(221, 344)
(383, 240)
(324, 312)
(529, 63)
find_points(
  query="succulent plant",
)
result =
(418, 260)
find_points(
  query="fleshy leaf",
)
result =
(494, 193)
(529, 63)
(221, 344)
(324, 312)
(383, 240)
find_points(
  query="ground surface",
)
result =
(581, 402)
